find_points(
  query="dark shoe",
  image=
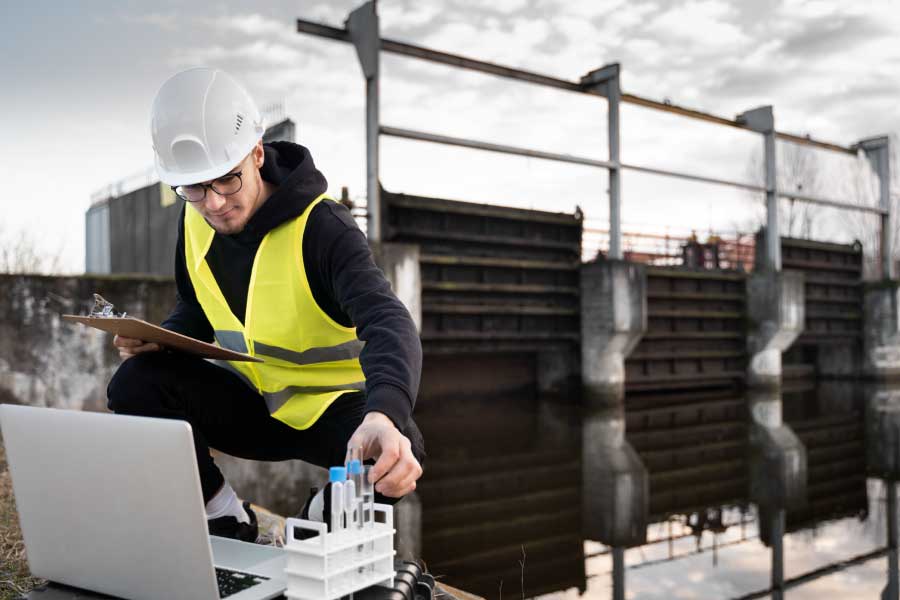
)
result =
(230, 527)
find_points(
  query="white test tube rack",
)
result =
(330, 565)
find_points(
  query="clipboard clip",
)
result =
(103, 308)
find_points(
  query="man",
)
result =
(265, 264)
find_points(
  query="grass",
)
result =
(15, 579)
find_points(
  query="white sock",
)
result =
(226, 503)
(317, 507)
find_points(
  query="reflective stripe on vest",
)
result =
(310, 360)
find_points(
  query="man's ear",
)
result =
(259, 154)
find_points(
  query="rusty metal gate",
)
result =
(494, 279)
(696, 331)
(833, 286)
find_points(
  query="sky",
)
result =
(78, 80)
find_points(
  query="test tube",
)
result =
(368, 496)
(349, 503)
(337, 476)
(355, 475)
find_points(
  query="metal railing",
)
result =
(362, 30)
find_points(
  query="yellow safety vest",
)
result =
(310, 359)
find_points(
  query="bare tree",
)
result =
(21, 253)
(799, 170)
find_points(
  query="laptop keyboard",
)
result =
(232, 582)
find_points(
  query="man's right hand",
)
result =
(129, 347)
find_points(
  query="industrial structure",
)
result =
(680, 363)
(634, 345)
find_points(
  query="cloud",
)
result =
(258, 52)
(832, 34)
(698, 27)
(165, 21)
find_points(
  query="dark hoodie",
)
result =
(344, 280)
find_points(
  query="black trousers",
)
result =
(225, 414)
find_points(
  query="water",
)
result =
(506, 479)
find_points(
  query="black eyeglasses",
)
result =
(225, 185)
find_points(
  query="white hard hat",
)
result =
(203, 124)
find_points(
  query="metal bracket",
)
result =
(761, 120)
(874, 148)
(362, 25)
(604, 80)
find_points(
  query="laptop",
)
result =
(112, 504)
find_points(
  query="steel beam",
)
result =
(833, 203)
(892, 590)
(605, 81)
(455, 60)
(878, 151)
(762, 120)
(466, 143)
(363, 31)
(618, 555)
(568, 158)
(690, 177)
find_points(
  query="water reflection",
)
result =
(721, 494)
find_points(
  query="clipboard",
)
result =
(142, 330)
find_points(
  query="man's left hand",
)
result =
(396, 469)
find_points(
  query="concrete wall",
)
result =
(47, 362)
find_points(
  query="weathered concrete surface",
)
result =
(615, 483)
(881, 334)
(400, 263)
(775, 308)
(613, 319)
(47, 362)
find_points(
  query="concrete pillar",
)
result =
(881, 330)
(613, 319)
(364, 29)
(775, 308)
(762, 120)
(400, 263)
(615, 483)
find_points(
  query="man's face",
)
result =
(229, 214)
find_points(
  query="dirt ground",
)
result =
(15, 579)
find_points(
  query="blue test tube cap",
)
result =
(354, 467)
(337, 474)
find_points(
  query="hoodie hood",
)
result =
(289, 166)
